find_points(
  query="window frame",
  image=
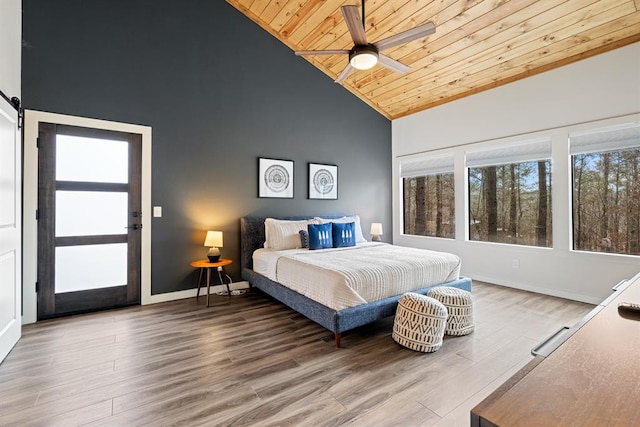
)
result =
(548, 177)
(433, 163)
(517, 151)
(587, 143)
(561, 192)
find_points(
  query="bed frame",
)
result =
(337, 321)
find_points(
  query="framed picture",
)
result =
(275, 178)
(323, 181)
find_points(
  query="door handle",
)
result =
(135, 226)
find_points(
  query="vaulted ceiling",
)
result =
(478, 44)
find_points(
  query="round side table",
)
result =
(204, 264)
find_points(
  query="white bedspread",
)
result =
(345, 277)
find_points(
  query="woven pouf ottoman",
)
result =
(459, 306)
(420, 322)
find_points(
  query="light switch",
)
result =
(157, 211)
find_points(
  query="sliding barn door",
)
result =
(10, 219)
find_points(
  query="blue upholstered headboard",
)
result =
(252, 235)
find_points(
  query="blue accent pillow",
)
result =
(344, 234)
(304, 239)
(320, 236)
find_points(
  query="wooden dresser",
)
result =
(587, 376)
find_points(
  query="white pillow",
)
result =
(283, 234)
(345, 219)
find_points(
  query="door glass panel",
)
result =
(91, 159)
(79, 268)
(90, 213)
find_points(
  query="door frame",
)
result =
(30, 201)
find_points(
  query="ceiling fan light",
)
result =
(363, 57)
(364, 61)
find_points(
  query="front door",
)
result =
(89, 219)
(10, 216)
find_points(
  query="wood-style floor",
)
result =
(249, 360)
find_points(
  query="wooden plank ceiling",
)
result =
(478, 44)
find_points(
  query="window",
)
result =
(510, 194)
(428, 197)
(606, 190)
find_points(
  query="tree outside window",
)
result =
(429, 205)
(511, 203)
(606, 189)
(606, 201)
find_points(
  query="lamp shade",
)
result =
(213, 239)
(376, 229)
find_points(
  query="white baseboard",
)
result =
(541, 290)
(191, 293)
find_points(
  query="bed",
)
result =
(337, 317)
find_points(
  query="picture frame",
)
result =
(275, 178)
(323, 181)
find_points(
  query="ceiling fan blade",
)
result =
(320, 52)
(354, 23)
(406, 36)
(392, 64)
(344, 74)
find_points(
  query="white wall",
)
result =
(603, 87)
(10, 46)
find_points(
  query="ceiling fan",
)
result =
(364, 55)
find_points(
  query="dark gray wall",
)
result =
(219, 92)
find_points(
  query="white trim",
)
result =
(540, 289)
(30, 202)
(191, 293)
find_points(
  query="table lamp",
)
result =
(213, 241)
(376, 231)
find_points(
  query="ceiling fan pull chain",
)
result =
(363, 23)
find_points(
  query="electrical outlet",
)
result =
(516, 263)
